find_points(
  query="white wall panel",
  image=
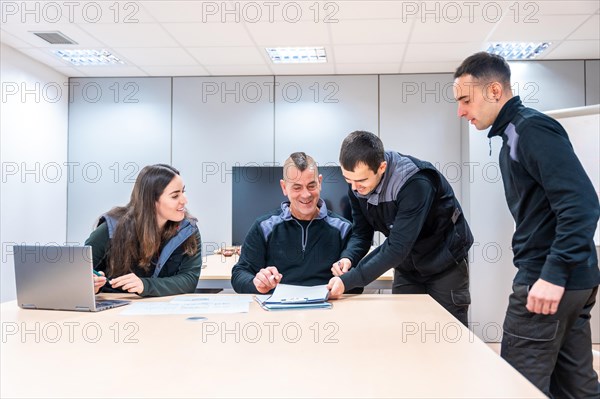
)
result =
(314, 113)
(33, 150)
(547, 85)
(219, 123)
(418, 118)
(116, 127)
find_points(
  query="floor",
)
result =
(595, 348)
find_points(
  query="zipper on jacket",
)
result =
(304, 236)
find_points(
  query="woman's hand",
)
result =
(129, 282)
(99, 282)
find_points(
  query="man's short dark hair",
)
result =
(362, 147)
(485, 67)
(301, 161)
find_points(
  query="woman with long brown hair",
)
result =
(151, 246)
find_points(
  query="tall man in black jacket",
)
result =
(413, 205)
(547, 325)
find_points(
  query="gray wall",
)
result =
(592, 82)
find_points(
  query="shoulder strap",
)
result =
(111, 223)
(186, 229)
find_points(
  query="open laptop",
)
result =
(57, 278)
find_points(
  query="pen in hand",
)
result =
(97, 273)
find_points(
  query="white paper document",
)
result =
(295, 297)
(286, 293)
(190, 305)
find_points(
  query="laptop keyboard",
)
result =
(110, 303)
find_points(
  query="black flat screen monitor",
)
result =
(256, 191)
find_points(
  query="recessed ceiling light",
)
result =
(518, 51)
(297, 55)
(88, 57)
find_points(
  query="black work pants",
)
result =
(554, 352)
(449, 288)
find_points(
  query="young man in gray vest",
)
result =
(413, 205)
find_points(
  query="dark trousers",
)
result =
(554, 352)
(449, 288)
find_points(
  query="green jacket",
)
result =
(178, 275)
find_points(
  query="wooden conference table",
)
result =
(366, 346)
(216, 273)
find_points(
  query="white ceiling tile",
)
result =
(303, 69)
(179, 11)
(350, 69)
(237, 11)
(429, 67)
(446, 31)
(238, 70)
(302, 33)
(131, 35)
(101, 71)
(253, 12)
(429, 12)
(12, 41)
(228, 37)
(209, 34)
(44, 56)
(344, 10)
(77, 12)
(70, 72)
(24, 33)
(371, 31)
(175, 71)
(576, 49)
(110, 12)
(156, 56)
(448, 52)
(590, 30)
(546, 7)
(548, 28)
(376, 53)
(227, 55)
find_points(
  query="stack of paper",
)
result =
(214, 304)
(288, 296)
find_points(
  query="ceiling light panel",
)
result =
(518, 51)
(82, 57)
(297, 55)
